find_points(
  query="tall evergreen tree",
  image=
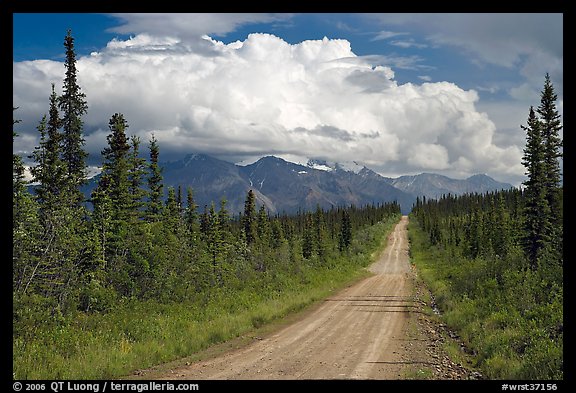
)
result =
(115, 169)
(224, 220)
(536, 208)
(551, 126)
(113, 206)
(155, 186)
(263, 229)
(136, 173)
(60, 244)
(277, 233)
(63, 242)
(214, 242)
(249, 217)
(73, 105)
(49, 172)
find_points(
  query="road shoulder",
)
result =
(431, 350)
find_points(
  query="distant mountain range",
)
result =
(434, 186)
(283, 186)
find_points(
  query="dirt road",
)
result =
(355, 334)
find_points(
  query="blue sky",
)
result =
(401, 93)
(93, 31)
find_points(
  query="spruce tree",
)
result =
(536, 208)
(277, 234)
(155, 186)
(73, 105)
(263, 229)
(113, 207)
(551, 126)
(64, 239)
(552, 145)
(136, 173)
(214, 242)
(115, 169)
(60, 244)
(249, 217)
(224, 220)
(49, 172)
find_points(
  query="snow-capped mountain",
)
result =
(287, 187)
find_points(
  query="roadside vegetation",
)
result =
(494, 262)
(138, 332)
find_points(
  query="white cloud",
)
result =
(430, 156)
(492, 88)
(403, 62)
(384, 35)
(525, 92)
(410, 43)
(266, 96)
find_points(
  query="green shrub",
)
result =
(511, 317)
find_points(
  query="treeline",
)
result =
(128, 242)
(495, 260)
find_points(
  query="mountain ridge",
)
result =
(433, 185)
(287, 187)
(284, 186)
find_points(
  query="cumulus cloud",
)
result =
(263, 96)
(427, 155)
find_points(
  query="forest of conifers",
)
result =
(495, 261)
(88, 273)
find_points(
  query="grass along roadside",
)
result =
(431, 350)
(244, 339)
(139, 335)
(507, 332)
